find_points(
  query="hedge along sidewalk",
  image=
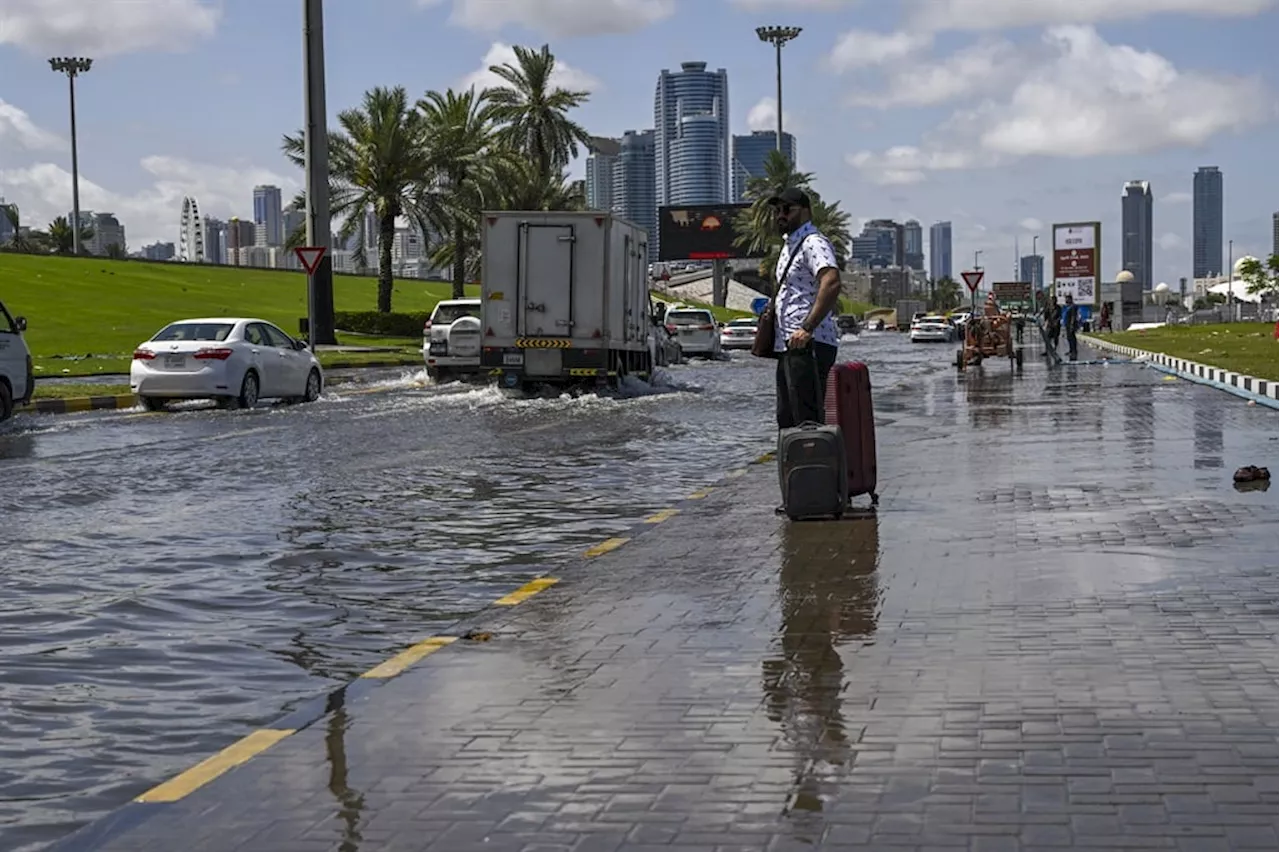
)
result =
(1247, 387)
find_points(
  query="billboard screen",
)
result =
(699, 232)
(1075, 261)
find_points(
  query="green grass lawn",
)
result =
(1242, 347)
(86, 315)
(69, 390)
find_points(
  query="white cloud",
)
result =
(16, 127)
(975, 70)
(1169, 241)
(1177, 198)
(1031, 224)
(940, 15)
(1086, 98)
(100, 28)
(565, 75)
(906, 164)
(559, 18)
(764, 116)
(793, 4)
(43, 191)
(865, 48)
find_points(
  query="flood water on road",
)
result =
(175, 580)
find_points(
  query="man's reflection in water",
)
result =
(829, 596)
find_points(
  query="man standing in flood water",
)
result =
(807, 338)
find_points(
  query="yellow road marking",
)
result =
(604, 547)
(207, 770)
(767, 457)
(701, 493)
(409, 656)
(526, 591)
(734, 474)
(664, 515)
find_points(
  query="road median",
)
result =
(1260, 391)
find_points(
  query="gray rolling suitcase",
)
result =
(812, 471)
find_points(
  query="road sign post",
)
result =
(972, 278)
(310, 257)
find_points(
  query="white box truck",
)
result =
(565, 298)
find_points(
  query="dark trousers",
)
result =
(802, 384)
(1071, 344)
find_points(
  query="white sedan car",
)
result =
(739, 333)
(933, 329)
(236, 361)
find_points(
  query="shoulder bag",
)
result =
(767, 327)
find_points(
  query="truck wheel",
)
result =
(6, 402)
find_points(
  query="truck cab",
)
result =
(17, 373)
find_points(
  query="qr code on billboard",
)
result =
(1084, 289)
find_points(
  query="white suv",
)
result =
(17, 375)
(451, 340)
(696, 330)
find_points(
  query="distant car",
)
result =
(739, 333)
(695, 328)
(933, 329)
(451, 339)
(236, 361)
(17, 372)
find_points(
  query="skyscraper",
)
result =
(691, 135)
(1275, 233)
(1031, 269)
(1206, 222)
(1136, 241)
(750, 153)
(913, 242)
(634, 183)
(267, 216)
(601, 159)
(940, 250)
(881, 244)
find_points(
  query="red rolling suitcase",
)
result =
(849, 407)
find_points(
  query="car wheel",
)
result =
(248, 390)
(314, 386)
(6, 402)
(153, 403)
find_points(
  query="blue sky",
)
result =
(1002, 116)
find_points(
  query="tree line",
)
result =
(56, 238)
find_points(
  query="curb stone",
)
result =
(1248, 387)
(74, 404)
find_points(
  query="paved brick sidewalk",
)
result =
(1059, 631)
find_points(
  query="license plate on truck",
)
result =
(513, 359)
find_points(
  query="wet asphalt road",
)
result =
(174, 580)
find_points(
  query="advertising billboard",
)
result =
(699, 232)
(1076, 247)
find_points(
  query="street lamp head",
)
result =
(777, 35)
(70, 65)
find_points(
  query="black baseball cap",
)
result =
(793, 196)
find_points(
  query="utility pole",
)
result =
(73, 66)
(778, 36)
(316, 157)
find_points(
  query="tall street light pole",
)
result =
(73, 66)
(778, 36)
(1039, 264)
(316, 161)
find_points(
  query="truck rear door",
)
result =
(546, 279)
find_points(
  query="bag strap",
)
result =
(777, 287)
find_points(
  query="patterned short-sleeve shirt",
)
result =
(798, 293)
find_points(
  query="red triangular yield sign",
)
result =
(309, 257)
(972, 279)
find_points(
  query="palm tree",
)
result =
(756, 226)
(379, 160)
(467, 162)
(524, 188)
(60, 235)
(535, 114)
(946, 294)
(25, 242)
